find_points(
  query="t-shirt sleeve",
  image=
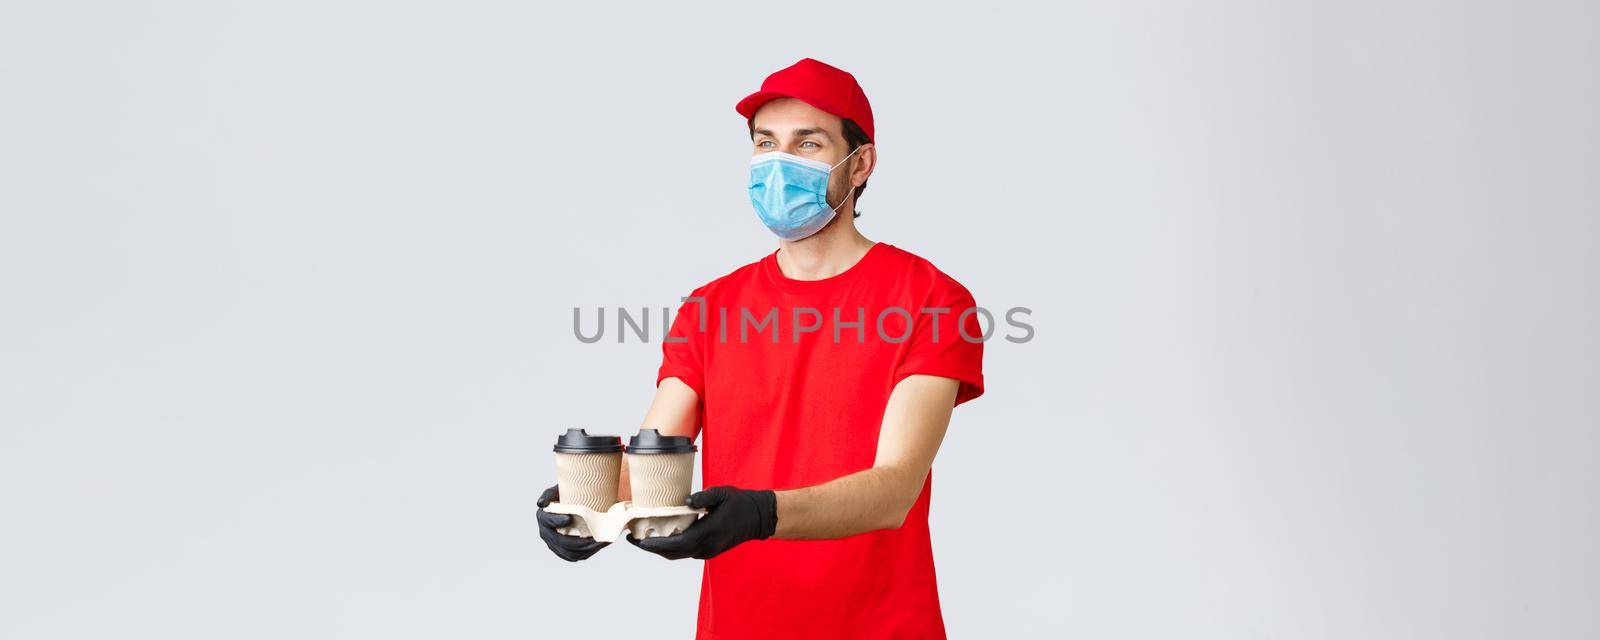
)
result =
(683, 349)
(947, 340)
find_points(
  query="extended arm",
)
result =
(914, 424)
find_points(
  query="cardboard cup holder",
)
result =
(587, 469)
(642, 522)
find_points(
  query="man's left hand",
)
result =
(735, 515)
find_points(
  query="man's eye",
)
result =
(813, 144)
(764, 143)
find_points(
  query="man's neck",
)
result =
(827, 253)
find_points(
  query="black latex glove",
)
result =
(569, 548)
(735, 515)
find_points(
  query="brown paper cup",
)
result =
(660, 480)
(589, 479)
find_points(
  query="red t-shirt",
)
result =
(793, 378)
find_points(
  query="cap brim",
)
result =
(752, 103)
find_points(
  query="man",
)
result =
(821, 380)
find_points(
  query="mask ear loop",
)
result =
(830, 176)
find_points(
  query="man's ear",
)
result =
(866, 149)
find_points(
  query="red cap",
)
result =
(820, 85)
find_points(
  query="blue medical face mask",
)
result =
(790, 193)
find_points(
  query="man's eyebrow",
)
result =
(801, 132)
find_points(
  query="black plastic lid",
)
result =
(579, 441)
(651, 441)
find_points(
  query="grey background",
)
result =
(287, 293)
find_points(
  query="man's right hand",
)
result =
(569, 548)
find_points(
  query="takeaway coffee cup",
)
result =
(660, 473)
(660, 468)
(588, 468)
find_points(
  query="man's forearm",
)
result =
(869, 500)
(914, 423)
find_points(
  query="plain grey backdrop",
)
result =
(287, 293)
